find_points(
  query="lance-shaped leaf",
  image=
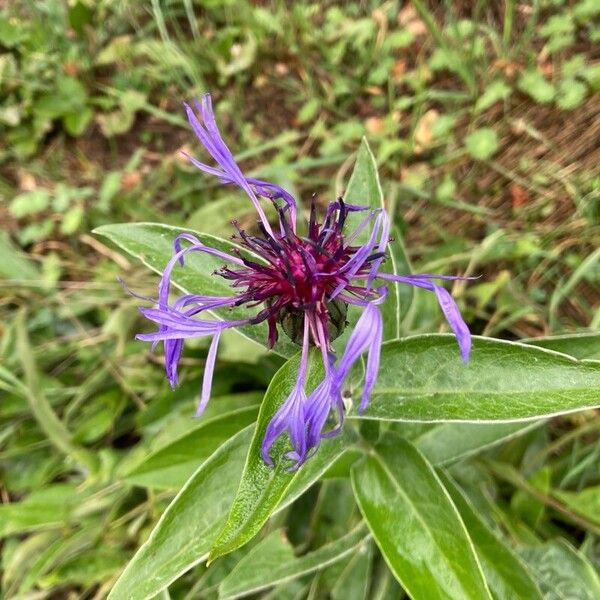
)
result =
(445, 443)
(170, 466)
(562, 572)
(364, 189)
(262, 488)
(506, 575)
(415, 524)
(272, 562)
(152, 243)
(353, 582)
(186, 530)
(579, 345)
(423, 379)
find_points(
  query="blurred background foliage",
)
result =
(484, 118)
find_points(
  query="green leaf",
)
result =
(494, 92)
(571, 93)
(579, 345)
(272, 562)
(557, 25)
(30, 203)
(152, 243)
(482, 143)
(76, 123)
(65, 544)
(445, 443)
(353, 583)
(586, 10)
(529, 509)
(422, 378)
(415, 524)
(173, 464)
(69, 96)
(12, 31)
(535, 85)
(364, 189)
(586, 502)
(41, 409)
(215, 216)
(87, 568)
(506, 575)
(187, 529)
(46, 508)
(262, 488)
(562, 572)
(15, 265)
(71, 220)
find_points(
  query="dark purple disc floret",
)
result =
(301, 284)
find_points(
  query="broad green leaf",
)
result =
(528, 508)
(580, 345)
(215, 217)
(66, 544)
(272, 562)
(15, 265)
(415, 524)
(482, 143)
(48, 507)
(586, 502)
(173, 464)
(87, 568)
(385, 586)
(571, 93)
(535, 85)
(262, 488)
(293, 590)
(353, 582)
(152, 243)
(186, 530)
(364, 189)
(444, 443)
(495, 91)
(506, 575)
(422, 378)
(20, 558)
(562, 572)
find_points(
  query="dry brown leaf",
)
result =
(27, 182)
(519, 195)
(130, 180)
(375, 125)
(423, 131)
(399, 67)
(409, 19)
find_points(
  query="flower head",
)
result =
(301, 285)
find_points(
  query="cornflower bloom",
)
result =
(302, 284)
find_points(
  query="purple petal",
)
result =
(317, 411)
(454, 318)
(209, 369)
(357, 260)
(372, 368)
(209, 135)
(291, 416)
(446, 302)
(367, 335)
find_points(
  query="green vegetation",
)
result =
(484, 122)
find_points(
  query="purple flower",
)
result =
(301, 284)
